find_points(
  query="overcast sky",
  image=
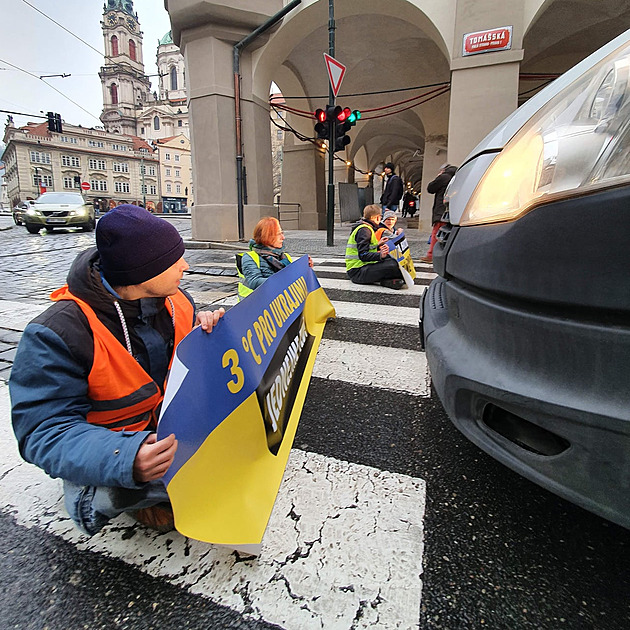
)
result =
(33, 43)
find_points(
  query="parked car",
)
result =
(18, 212)
(59, 209)
(527, 326)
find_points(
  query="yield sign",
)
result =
(336, 71)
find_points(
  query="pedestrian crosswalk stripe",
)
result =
(342, 272)
(343, 548)
(377, 313)
(399, 370)
(345, 285)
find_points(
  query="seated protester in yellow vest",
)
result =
(265, 257)
(367, 257)
(90, 372)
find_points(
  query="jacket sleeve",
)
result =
(252, 272)
(363, 238)
(439, 183)
(48, 389)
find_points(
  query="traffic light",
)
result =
(342, 119)
(342, 126)
(77, 181)
(354, 116)
(322, 127)
(54, 122)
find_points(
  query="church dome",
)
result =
(166, 40)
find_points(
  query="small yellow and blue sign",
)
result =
(233, 401)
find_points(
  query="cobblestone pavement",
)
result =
(32, 266)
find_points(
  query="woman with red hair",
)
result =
(266, 255)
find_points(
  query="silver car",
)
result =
(527, 326)
(59, 210)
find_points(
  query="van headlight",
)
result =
(576, 143)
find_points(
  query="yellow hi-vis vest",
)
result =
(352, 252)
(243, 289)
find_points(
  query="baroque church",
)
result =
(129, 106)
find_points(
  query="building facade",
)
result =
(118, 168)
(176, 173)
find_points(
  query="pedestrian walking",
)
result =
(438, 187)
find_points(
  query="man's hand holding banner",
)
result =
(234, 399)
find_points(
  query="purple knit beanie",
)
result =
(136, 246)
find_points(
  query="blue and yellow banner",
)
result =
(233, 401)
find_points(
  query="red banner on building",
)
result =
(487, 41)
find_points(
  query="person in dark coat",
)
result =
(393, 189)
(438, 187)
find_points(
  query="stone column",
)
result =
(482, 95)
(209, 61)
(484, 87)
(303, 182)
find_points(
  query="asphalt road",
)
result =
(499, 552)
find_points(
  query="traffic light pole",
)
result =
(330, 205)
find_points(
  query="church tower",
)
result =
(126, 89)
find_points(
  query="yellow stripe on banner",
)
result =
(224, 493)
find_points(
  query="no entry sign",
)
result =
(85, 186)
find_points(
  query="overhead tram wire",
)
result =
(52, 87)
(407, 89)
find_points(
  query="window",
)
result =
(96, 143)
(97, 164)
(40, 157)
(121, 187)
(153, 189)
(68, 182)
(114, 41)
(44, 180)
(68, 139)
(279, 134)
(167, 156)
(156, 123)
(177, 172)
(142, 130)
(169, 188)
(132, 49)
(113, 93)
(178, 188)
(151, 170)
(119, 147)
(99, 184)
(173, 78)
(168, 172)
(70, 160)
(121, 167)
(179, 123)
(177, 157)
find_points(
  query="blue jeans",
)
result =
(392, 208)
(91, 507)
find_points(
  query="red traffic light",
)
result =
(344, 114)
(320, 115)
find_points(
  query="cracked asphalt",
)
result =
(499, 552)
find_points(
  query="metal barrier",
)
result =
(284, 213)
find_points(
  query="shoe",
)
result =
(157, 517)
(426, 259)
(395, 283)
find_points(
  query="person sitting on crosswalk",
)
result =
(266, 255)
(367, 258)
(90, 372)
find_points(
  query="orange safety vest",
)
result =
(123, 396)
